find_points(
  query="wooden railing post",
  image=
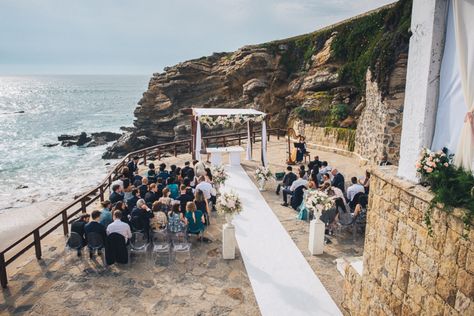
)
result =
(144, 157)
(224, 141)
(65, 227)
(175, 151)
(159, 154)
(240, 140)
(37, 238)
(83, 205)
(101, 193)
(3, 271)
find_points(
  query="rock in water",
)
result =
(83, 139)
(106, 136)
(50, 144)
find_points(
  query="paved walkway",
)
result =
(282, 280)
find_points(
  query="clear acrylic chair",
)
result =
(161, 246)
(95, 242)
(74, 243)
(138, 246)
(181, 245)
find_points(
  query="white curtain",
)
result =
(249, 143)
(264, 143)
(464, 29)
(451, 105)
(198, 148)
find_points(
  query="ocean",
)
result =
(51, 106)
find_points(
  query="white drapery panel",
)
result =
(451, 105)
(264, 143)
(198, 141)
(464, 29)
(248, 154)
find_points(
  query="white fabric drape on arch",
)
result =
(464, 26)
(198, 140)
(264, 144)
(248, 155)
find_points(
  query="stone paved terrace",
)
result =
(204, 284)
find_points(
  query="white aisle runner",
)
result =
(281, 278)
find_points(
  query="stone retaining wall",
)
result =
(322, 136)
(407, 271)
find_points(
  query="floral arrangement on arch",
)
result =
(219, 175)
(263, 173)
(229, 120)
(430, 162)
(228, 204)
(318, 201)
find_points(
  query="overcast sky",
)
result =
(143, 36)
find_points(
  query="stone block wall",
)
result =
(322, 136)
(406, 270)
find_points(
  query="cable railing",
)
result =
(62, 217)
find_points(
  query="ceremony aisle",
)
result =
(281, 278)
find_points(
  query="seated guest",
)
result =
(361, 209)
(132, 201)
(106, 214)
(173, 171)
(185, 172)
(338, 180)
(195, 219)
(184, 197)
(160, 217)
(133, 167)
(204, 186)
(141, 215)
(326, 178)
(95, 227)
(314, 164)
(151, 173)
(176, 220)
(201, 204)
(296, 184)
(122, 207)
(152, 195)
(178, 175)
(126, 177)
(384, 160)
(160, 186)
(302, 168)
(143, 188)
(173, 187)
(120, 227)
(366, 181)
(325, 168)
(163, 174)
(78, 227)
(300, 149)
(187, 184)
(165, 199)
(288, 179)
(117, 194)
(354, 189)
(118, 180)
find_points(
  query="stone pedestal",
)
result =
(228, 241)
(316, 237)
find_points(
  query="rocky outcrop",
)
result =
(95, 139)
(284, 78)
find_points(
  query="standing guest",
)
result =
(132, 201)
(163, 174)
(152, 195)
(143, 188)
(184, 198)
(173, 187)
(202, 205)
(186, 170)
(300, 149)
(338, 180)
(205, 187)
(288, 179)
(120, 227)
(117, 194)
(78, 227)
(95, 227)
(354, 189)
(384, 160)
(133, 167)
(200, 168)
(106, 214)
(366, 181)
(314, 164)
(295, 185)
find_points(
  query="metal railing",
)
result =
(61, 218)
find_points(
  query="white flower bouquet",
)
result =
(430, 162)
(219, 175)
(228, 204)
(263, 174)
(318, 201)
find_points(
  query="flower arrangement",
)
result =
(318, 201)
(430, 162)
(219, 175)
(229, 120)
(263, 174)
(228, 204)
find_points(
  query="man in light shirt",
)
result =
(205, 187)
(119, 227)
(296, 184)
(354, 189)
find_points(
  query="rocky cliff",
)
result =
(317, 77)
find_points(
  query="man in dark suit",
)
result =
(78, 227)
(95, 227)
(288, 180)
(131, 202)
(116, 195)
(133, 166)
(338, 180)
(314, 165)
(186, 170)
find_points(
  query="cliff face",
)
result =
(313, 77)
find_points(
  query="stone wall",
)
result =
(407, 271)
(324, 136)
(380, 124)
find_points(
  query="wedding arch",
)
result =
(226, 117)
